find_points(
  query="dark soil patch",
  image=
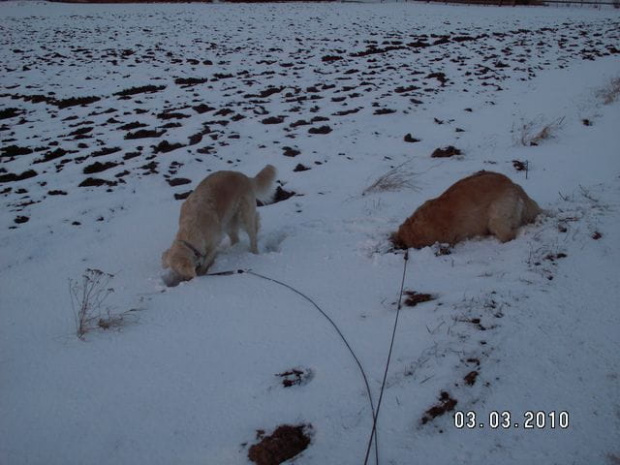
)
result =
(320, 130)
(347, 112)
(330, 58)
(403, 89)
(166, 115)
(283, 444)
(164, 147)
(182, 195)
(266, 93)
(299, 168)
(384, 111)
(98, 167)
(10, 113)
(290, 152)
(197, 138)
(374, 50)
(21, 219)
(301, 122)
(446, 152)
(519, 165)
(446, 404)
(105, 151)
(470, 378)
(15, 151)
(150, 168)
(273, 120)
(295, 377)
(96, 182)
(478, 324)
(179, 181)
(202, 108)
(139, 90)
(414, 298)
(12, 177)
(282, 195)
(130, 155)
(75, 101)
(81, 133)
(206, 150)
(552, 257)
(132, 126)
(412, 140)
(596, 235)
(143, 134)
(187, 82)
(441, 77)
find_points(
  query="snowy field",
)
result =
(110, 114)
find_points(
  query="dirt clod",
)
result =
(283, 444)
(446, 152)
(470, 378)
(519, 165)
(295, 377)
(414, 298)
(412, 140)
(446, 404)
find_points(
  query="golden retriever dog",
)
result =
(222, 202)
(482, 204)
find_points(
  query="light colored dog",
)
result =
(222, 202)
(482, 204)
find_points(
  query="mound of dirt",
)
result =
(283, 444)
(446, 152)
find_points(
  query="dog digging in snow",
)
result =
(482, 204)
(222, 203)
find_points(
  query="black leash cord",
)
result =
(373, 434)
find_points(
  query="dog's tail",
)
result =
(263, 184)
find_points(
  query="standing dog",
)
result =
(482, 204)
(222, 202)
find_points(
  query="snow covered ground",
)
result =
(112, 113)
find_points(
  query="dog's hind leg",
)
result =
(505, 217)
(233, 230)
(250, 220)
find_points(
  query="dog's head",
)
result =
(181, 260)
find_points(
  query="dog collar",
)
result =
(197, 253)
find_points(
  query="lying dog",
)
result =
(222, 202)
(482, 204)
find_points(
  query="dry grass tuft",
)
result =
(397, 179)
(535, 132)
(610, 93)
(87, 299)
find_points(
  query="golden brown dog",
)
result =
(222, 202)
(484, 203)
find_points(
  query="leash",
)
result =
(340, 334)
(375, 411)
(373, 433)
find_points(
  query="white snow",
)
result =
(191, 375)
